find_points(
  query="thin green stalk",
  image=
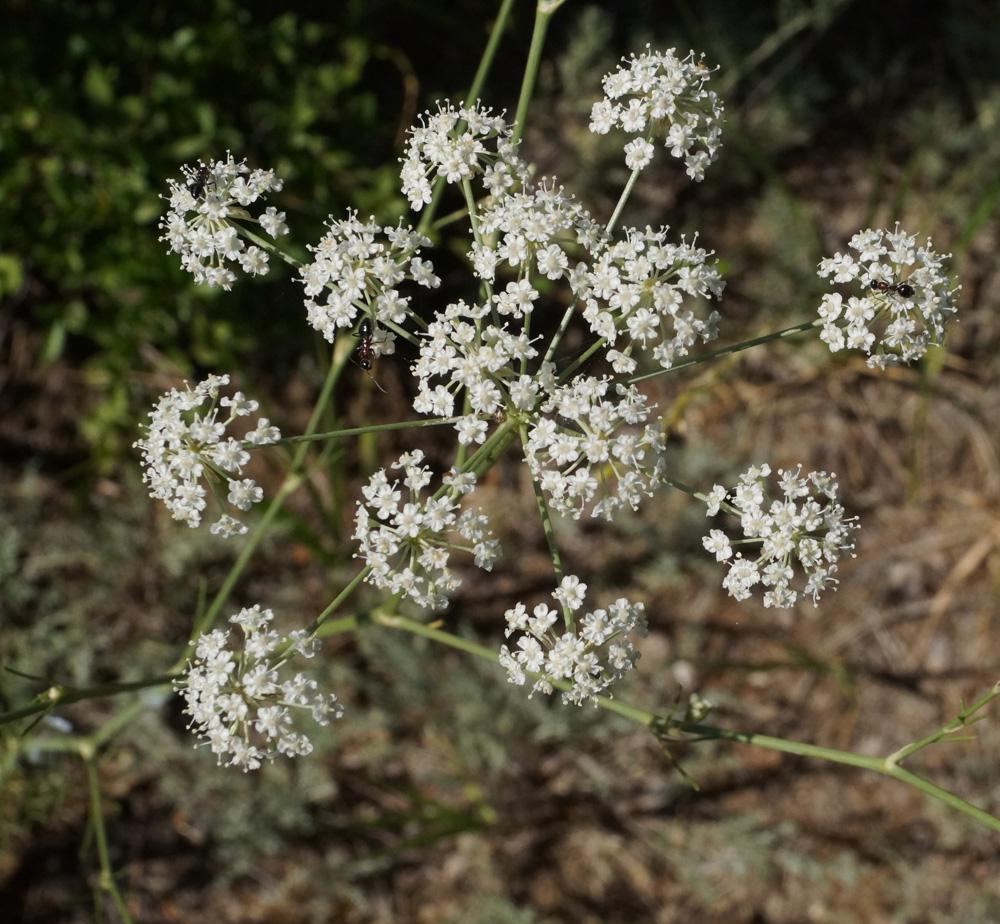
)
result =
(883, 765)
(550, 536)
(393, 621)
(664, 727)
(680, 486)
(965, 718)
(487, 455)
(543, 13)
(622, 199)
(291, 481)
(489, 54)
(698, 495)
(735, 348)
(269, 246)
(58, 695)
(106, 881)
(338, 600)
(374, 428)
(563, 324)
(256, 536)
(485, 63)
(583, 358)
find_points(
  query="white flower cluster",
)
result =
(185, 440)
(408, 543)
(200, 224)
(795, 528)
(578, 450)
(361, 265)
(458, 144)
(240, 705)
(637, 286)
(898, 316)
(483, 359)
(573, 656)
(531, 229)
(658, 88)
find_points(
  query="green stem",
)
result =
(374, 428)
(550, 535)
(58, 695)
(486, 62)
(381, 617)
(735, 348)
(269, 246)
(563, 324)
(883, 765)
(106, 881)
(698, 495)
(291, 481)
(340, 598)
(580, 360)
(622, 199)
(665, 727)
(486, 456)
(964, 719)
(543, 13)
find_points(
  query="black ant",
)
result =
(902, 289)
(197, 186)
(366, 350)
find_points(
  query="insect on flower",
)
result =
(902, 289)
(197, 186)
(366, 349)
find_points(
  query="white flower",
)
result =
(360, 265)
(231, 699)
(638, 153)
(581, 432)
(659, 89)
(185, 441)
(793, 531)
(408, 542)
(906, 299)
(717, 543)
(714, 499)
(571, 592)
(571, 656)
(644, 284)
(200, 223)
(441, 146)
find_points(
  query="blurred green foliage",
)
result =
(100, 103)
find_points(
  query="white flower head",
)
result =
(407, 537)
(360, 266)
(240, 704)
(793, 532)
(905, 303)
(457, 144)
(653, 291)
(659, 92)
(587, 656)
(590, 451)
(186, 443)
(202, 224)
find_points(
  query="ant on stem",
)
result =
(366, 349)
